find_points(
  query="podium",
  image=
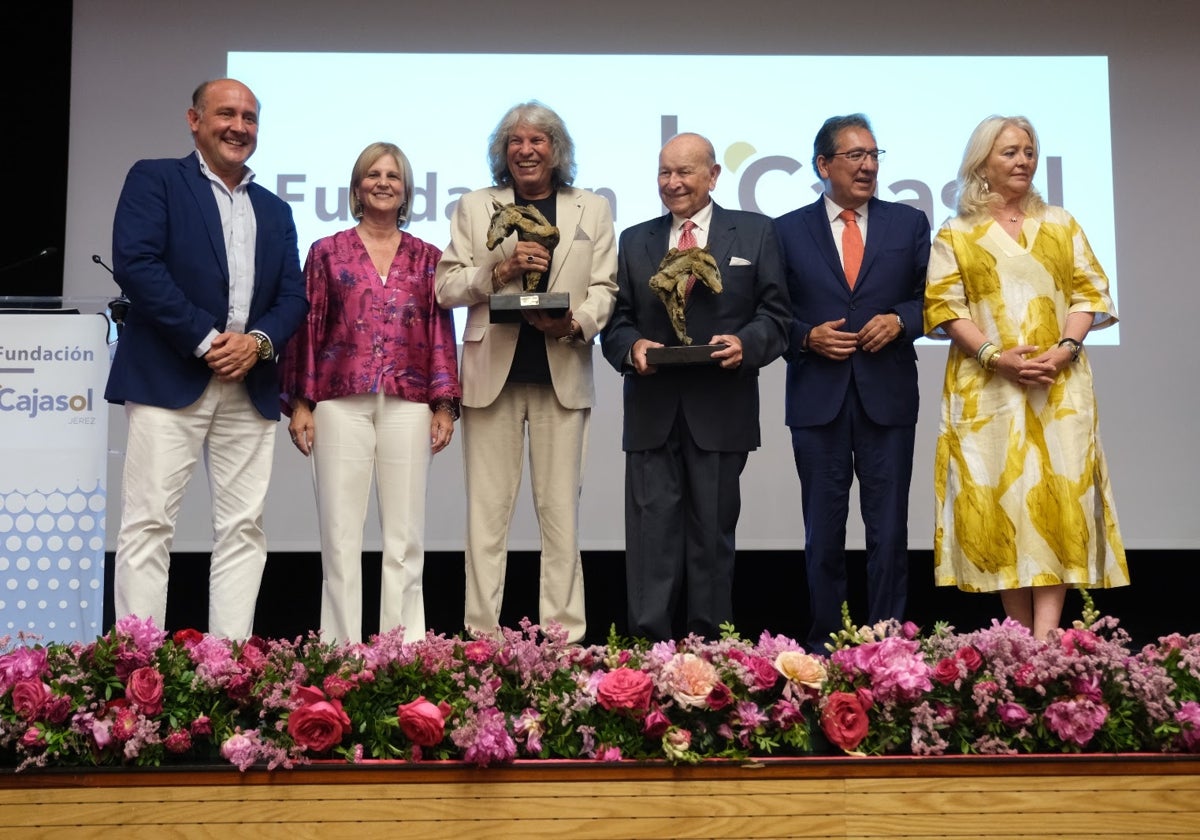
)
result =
(54, 359)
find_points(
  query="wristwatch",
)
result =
(266, 351)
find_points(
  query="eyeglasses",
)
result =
(858, 155)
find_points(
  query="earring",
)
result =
(986, 186)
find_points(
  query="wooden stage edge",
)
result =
(1068, 796)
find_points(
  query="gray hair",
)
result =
(535, 115)
(825, 143)
(974, 196)
(366, 159)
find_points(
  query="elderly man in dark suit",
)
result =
(856, 279)
(209, 262)
(688, 429)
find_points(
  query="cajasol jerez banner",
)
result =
(53, 453)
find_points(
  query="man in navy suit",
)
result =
(209, 262)
(688, 429)
(851, 399)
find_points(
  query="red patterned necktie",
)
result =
(852, 245)
(687, 239)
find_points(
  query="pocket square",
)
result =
(738, 261)
(580, 234)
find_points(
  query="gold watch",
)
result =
(265, 350)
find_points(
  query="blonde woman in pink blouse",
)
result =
(371, 386)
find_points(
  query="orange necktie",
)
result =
(852, 245)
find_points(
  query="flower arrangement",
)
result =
(138, 697)
(999, 691)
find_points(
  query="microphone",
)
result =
(119, 307)
(40, 255)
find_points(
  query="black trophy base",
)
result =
(684, 354)
(508, 308)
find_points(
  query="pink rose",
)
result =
(422, 722)
(971, 657)
(719, 697)
(252, 656)
(144, 688)
(656, 724)
(762, 676)
(201, 726)
(844, 721)
(318, 725)
(29, 696)
(33, 740)
(57, 709)
(1013, 714)
(239, 686)
(625, 689)
(946, 671)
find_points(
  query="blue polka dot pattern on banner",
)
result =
(52, 563)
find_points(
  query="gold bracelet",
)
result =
(982, 351)
(992, 360)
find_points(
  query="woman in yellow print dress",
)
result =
(1023, 502)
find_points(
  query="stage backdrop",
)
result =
(53, 461)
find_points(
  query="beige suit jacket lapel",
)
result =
(569, 213)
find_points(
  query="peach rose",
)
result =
(691, 679)
(801, 668)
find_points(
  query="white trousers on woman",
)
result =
(354, 437)
(493, 449)
(163, 447)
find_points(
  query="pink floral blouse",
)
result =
(364, 336)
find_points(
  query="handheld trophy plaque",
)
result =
(530, 226)
(677, 274)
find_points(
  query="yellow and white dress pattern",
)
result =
(1021, 484)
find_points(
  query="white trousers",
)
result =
(160, 458)
(493, 449)
(354, 437)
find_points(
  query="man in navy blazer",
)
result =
(851, 399)
(209, 262)
(688, 429)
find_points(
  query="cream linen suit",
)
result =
(495, 413)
